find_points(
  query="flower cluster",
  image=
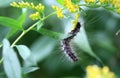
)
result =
(89, 1)
(70, 6)
(116, 4)
(97, 72)
(38, 8)
(104, 1)
(31, 5)
(58, 11)
(35, 16)
(113, 4)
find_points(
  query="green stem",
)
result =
(25, 31)
(49, 15)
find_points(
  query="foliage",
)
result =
(30, 40)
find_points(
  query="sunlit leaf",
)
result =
(40, 51)
(24, 51)
(61, 2)
(26, 70)
(118, 32)
(11, 23)
(75, 1)
(10, 61)
(40, 24)
(82, 41)
(21, 18)
(12, 32)
(52, 34)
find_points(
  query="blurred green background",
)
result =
(100, 26)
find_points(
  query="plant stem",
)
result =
(25, 31)
(49, 15)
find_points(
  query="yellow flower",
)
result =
(35, 16)
(104, 1)
(58, 11)
(97, 72)
(89, 1)
(118, 10)
(20, 4)
(93, 72)
(118, 4)
(74, 22)
(39, 7)
(31, 5)
(70, 6)
(113, 2)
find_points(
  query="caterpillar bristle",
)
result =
(68, 51)
(65, 44)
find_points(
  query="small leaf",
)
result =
(26, 70)
(40, 24)
(11, 23)
(12, 32)
(117, 33)
(21, 18)
(24, 51)
(52, 34)
(61, 2)
(75, 1)
(82, 42)
(10, 61)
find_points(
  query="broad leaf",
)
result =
(61, 2)
(40, 24)
(10, 61)
(24, 51)
(11, 23)
(118, 32)
(82, 41)
(21, 19)
(52, 34)
(75, 1)
(12, 32)
(26, 70)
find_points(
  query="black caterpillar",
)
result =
(66, 43)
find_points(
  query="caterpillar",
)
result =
(65, 44)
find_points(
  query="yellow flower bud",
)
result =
(70, 6)
(35, 16)
(58, 11)
(97, 72)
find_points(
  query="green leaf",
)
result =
(26, 70)
(61, 2)
(24, 51)
(40, 24)
(118, 32)
(52, 34)
(3, 33)
(75, 1)
(21, 18)
(12, 32)
(82, 42)
(11, 23)
(10, 61)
